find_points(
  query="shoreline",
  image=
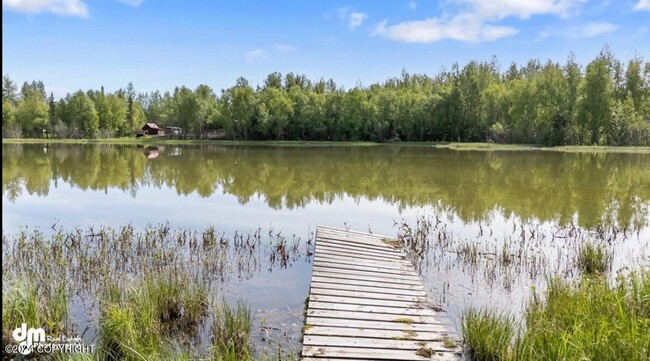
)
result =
(300, 143)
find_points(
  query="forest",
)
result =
(606, 102)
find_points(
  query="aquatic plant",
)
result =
(145, 318)
(231, 331)
(593, 259)
(586, 320)
(487, 334)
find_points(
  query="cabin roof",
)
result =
(151, 126)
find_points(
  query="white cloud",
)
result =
(283, 47)
(466, 27)
(587, 30)
(499, 9)
(474, 20)
(134, 3)
(642, 5)
(58, 7)
(253, 55)
(594, 29)
(413, 5)
(355, 19)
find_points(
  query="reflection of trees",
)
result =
(543, 185)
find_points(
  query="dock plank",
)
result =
(356, 282)
(377, 325)
(367, 302)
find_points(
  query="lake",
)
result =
(498, 199)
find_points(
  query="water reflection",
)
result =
(587, 188)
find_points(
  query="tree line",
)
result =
(606, 103)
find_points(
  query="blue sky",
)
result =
(159, 44)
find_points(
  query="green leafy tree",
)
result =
(551, 97)
(208, 109)
(116, 108)
(83, 114)
(278, 109)
(187, 109)
(627, 126)
(634, 83)
(594, 109)
(32, 113)
(9, 127)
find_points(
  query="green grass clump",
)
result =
(231, 331)
(487, 334)
(589, 320)
(593, 259)
(145, 320)
(39, 305)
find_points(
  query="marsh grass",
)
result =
(487, 334)
(39, 305)
(231, 331)
(593, 259)
(525, 255)
(145, 319)
(151, 287)
(586, 320)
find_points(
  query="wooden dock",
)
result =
(367, 302)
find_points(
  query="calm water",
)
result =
(294, 189)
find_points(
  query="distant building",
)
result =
(216, 134)
(172, 131)
(153, 129)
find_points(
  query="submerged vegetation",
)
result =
(152, 294)
(527, 252)
(152, 289)
(606, 102)
(593, 259)
(591, 288)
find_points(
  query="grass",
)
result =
(231, 331)
(39, 305)
(147, 318)
(593, 259)
(151, 287)
(487, 334)
(587, 320)
(301, 143)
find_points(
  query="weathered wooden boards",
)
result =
(367, 302)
